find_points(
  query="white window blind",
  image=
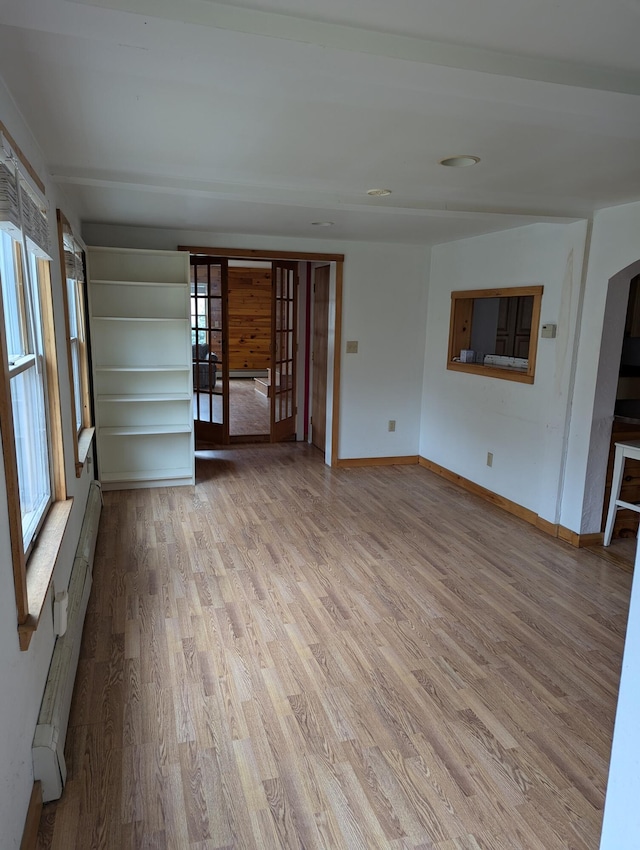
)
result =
(23, 208)
(73, 264)
(24, 237)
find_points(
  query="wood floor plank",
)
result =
(289, 656)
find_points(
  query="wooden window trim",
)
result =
(460, 332)
(83, 438)
(53, 385)
(40, 567)
(33, 574)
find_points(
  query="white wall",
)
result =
(384, 304)
(461, 416)
(621, 824)
(464, 416)
(384, 310)
(615, 244)
(23, 674)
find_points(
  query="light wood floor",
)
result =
(249, 412)
(286, 656)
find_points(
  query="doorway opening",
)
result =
(250, 331)
(609, 422)
(251, 347)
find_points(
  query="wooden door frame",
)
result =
(301, 256)
(312, 352)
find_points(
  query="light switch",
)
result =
(352, 346)
(548, 332)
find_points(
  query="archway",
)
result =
(605, 395)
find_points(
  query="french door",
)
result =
(209, 349)
(284, 290)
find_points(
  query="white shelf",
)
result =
(147, 475)
(143, 368)
(143, 397)
(143, 430)
(140, 318)
(137, 283)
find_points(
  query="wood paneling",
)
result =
(249, 318)
(287, 656)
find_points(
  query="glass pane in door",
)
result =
(208, 348)
(283, 378)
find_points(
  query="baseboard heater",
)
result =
(48, 743)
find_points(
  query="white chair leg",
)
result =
(616, 484)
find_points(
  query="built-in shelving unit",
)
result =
(141, 352)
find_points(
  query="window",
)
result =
(29, 392)
(74, 339)
(72, 261)
(494, 332)
(25, 355)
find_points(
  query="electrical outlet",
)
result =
(392, 424)
(489, 458)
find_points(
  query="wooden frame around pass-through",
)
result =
(460, 332)
(301, 256)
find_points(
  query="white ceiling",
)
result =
(264, 118)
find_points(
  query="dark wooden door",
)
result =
(283, 350)
(514, 326)
(319, 354)
(209, 347)
(524, 315)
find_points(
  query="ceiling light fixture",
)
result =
(378, 193)
(460, 161)
(322, 223)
